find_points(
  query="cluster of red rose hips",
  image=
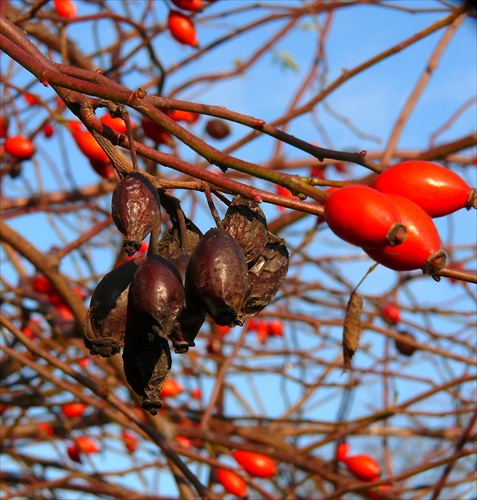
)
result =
(42, 285)
(99, 160)
(392, 219)
(254, 464)
(264, 328)
(180, 25)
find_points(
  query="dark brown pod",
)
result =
(246, 222)
(106, 320)
(147, 363)
(265, 277)
(217, 276)
(135, 210)
(156, 296)
(217, 129)
(403, 347)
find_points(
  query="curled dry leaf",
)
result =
(352, 328)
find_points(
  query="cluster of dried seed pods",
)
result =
(231, 272)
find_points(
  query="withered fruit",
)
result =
(265, 277)
(402, 346)
(217, 129)
(246, 222)
(135, 210)
(147, 363)
(217, 276)
(106, 320)
(156, 296)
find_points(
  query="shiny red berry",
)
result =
(182, 28)
(256, 464)
(363, 216)
(422, 248)
(436, 189)
(19, 147)
(363, 467)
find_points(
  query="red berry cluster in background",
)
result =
(392, 219)
(263, 328)
(41, 285)
(361, 466)
(254, 464)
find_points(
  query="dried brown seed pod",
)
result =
(106, 321)
(352, 328)
(156, 296)
(246, 222)
(217, 129)
(135, 210)
(265, 277)
(217, 276)
(147, 363)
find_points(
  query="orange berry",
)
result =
(130, 440)
(171, 388)
(19, 147)
(72, 410)
(87, 445)
(256, 464)
(182, 28)
(46, 428)
(231, 482)
(65, 8)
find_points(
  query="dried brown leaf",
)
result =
(352, 328)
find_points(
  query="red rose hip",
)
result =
(422, 248)
(19, 147)
(256, 464)
(364, 217)
(363, 467)
(436, 189)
